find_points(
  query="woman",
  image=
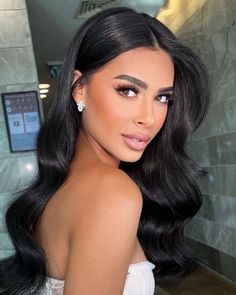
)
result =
(115, 187)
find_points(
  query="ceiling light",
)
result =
(44, 86)
(43, 95)
(43, 90)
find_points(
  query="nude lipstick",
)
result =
(137, 142)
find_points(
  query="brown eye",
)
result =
(127, 90)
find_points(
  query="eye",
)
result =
(164, 98)
(127, 90)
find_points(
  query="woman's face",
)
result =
(126, 103)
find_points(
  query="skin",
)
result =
(107, 110)
(76, 229)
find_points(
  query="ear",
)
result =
(76, 75)
(78, 91)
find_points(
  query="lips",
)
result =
(136, 141)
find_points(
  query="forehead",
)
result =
(150, 65)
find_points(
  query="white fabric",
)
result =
(139, 281)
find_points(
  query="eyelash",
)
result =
(124, 87)
(127, 87)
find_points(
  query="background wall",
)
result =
(209, 27)
(17, 73)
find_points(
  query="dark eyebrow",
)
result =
(166, 89)
(134, 80)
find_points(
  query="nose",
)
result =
(145, 114)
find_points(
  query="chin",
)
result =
(131, 158)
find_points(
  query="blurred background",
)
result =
(33, 37)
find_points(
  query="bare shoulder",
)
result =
(112, 193)
(105, 191)
(116, 190)
(117, 181)
(103, 241)
(105, 185)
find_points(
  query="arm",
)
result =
(103, 239)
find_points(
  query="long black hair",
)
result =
(165, 173)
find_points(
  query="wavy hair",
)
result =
(165, 173)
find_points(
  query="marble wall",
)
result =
(17, 73)
(210, 29)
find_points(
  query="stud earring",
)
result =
(80, 105)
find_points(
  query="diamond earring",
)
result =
(80, 105)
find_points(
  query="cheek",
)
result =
(161, 114)
(104, 109)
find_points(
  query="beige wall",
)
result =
(175, 13)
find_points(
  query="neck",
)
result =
(88, 151)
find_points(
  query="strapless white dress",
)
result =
(139, 281)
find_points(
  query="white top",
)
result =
(139, 281)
